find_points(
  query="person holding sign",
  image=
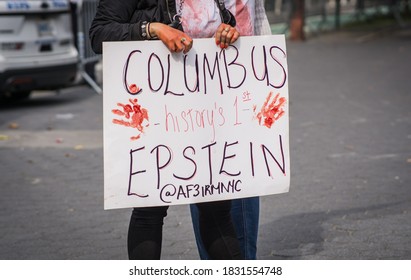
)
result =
(245, 211)
(176, 23)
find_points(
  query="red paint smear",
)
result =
(134, 89)
(134, 114)
(135, 137)
(271, 112)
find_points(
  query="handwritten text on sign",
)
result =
(208, 125)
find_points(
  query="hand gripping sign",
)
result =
(204, 126)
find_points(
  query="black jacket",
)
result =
(124, 20)
(121, 20)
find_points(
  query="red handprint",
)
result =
(135, 115)
(270, 112)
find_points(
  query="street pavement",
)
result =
(350, 136)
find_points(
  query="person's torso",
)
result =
(201, 18)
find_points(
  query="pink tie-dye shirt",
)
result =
(201, 18)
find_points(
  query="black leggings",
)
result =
(216, 228)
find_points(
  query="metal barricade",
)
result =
(86, 11)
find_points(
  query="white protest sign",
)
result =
(208, 125)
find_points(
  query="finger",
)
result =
(218, 36)
(177, 47)
(226, 35)
(230, 38)
(221, 32)
(188, 47)
(187, 44)
(235, 36)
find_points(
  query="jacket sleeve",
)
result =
(261, 24)
(112, 23)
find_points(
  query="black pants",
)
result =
(216, 229)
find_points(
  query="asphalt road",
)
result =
(350, 195)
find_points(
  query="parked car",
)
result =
(37, 49)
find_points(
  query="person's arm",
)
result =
(112, 23)
(261, 25)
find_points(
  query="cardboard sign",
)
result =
(208, 125)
